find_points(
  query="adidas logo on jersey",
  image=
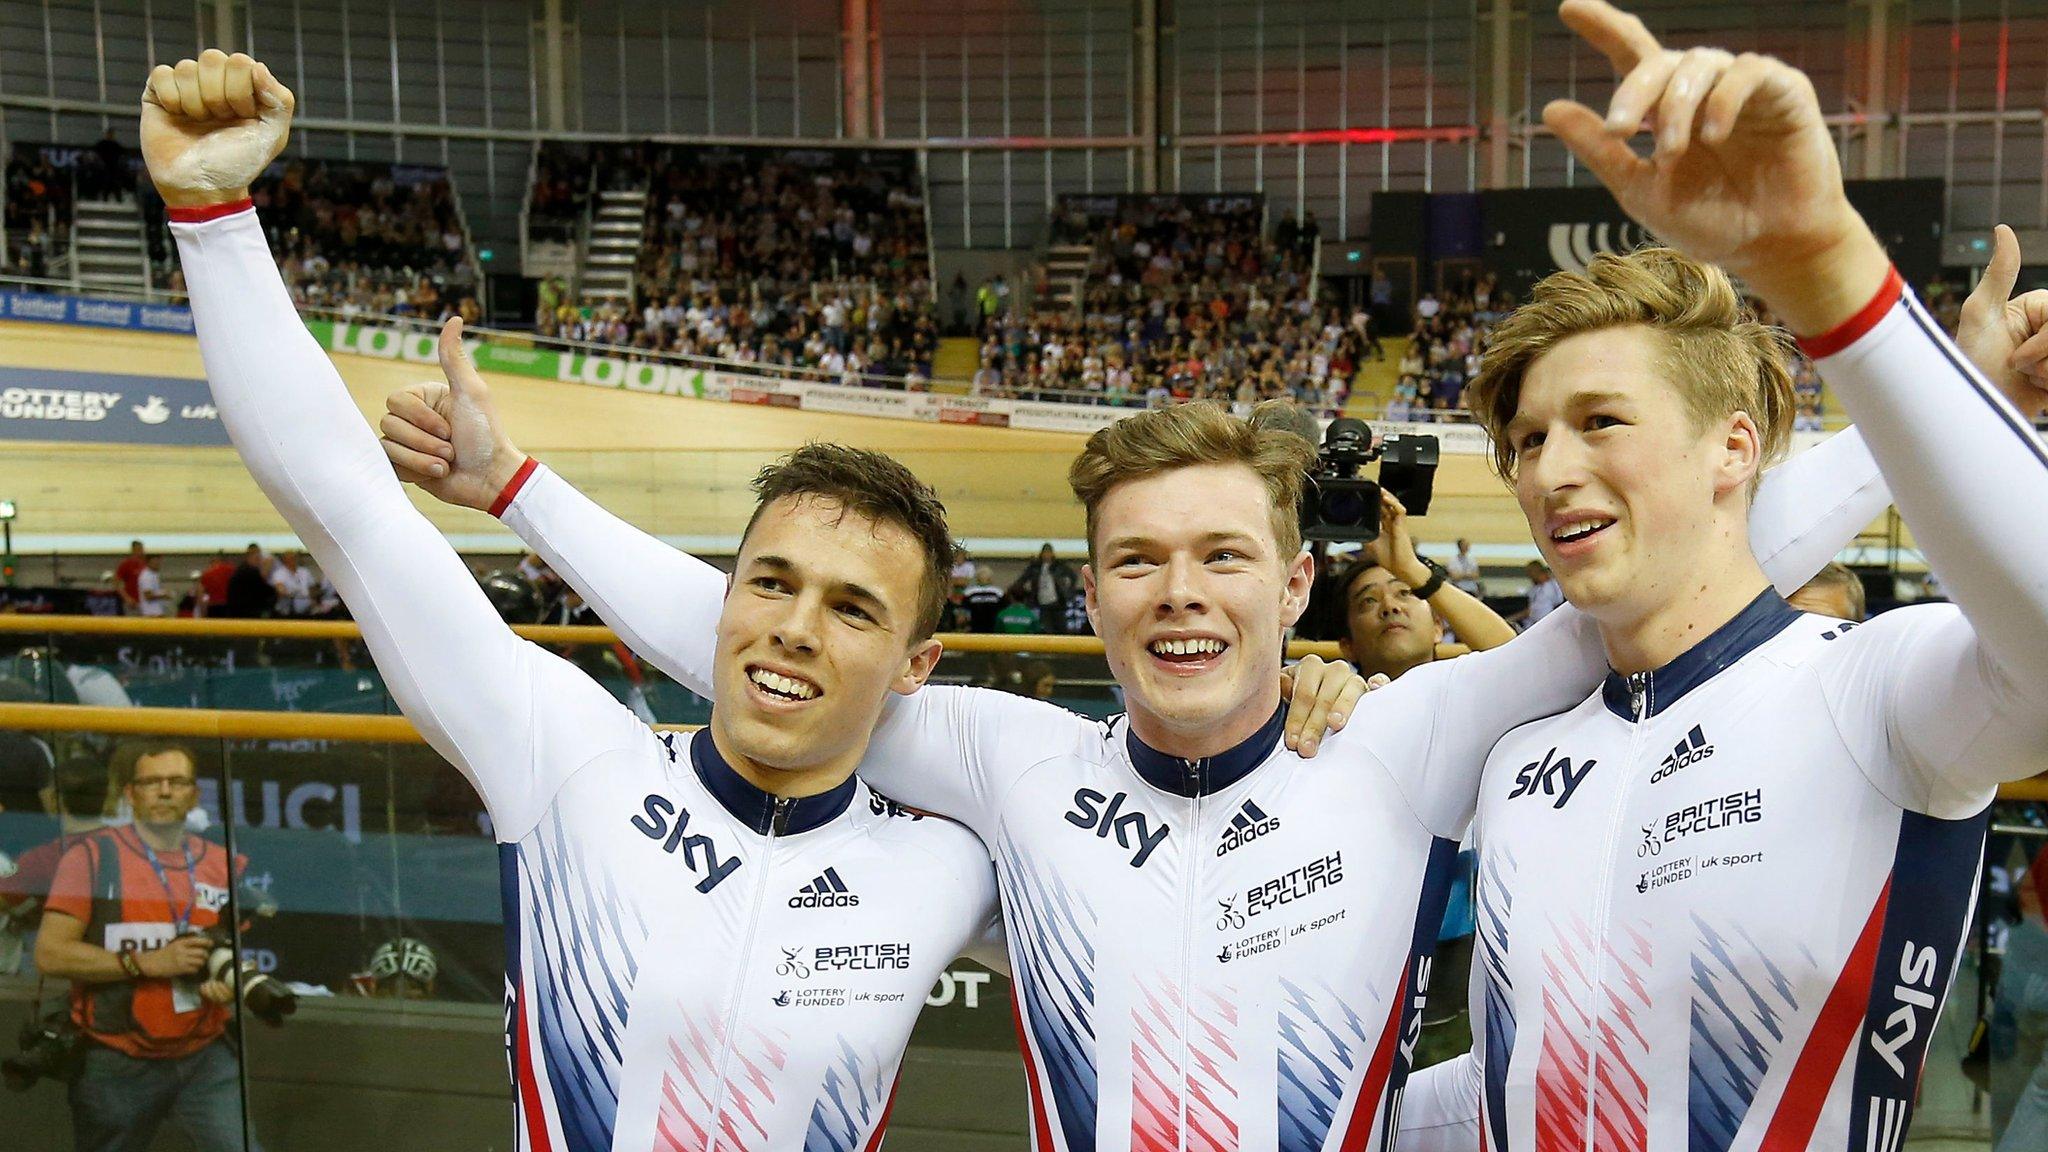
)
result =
(1248, 825)
(827, 891)
(1684, 754)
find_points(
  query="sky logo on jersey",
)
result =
(1919, 965)
(1248, 825)
(1133, 830)
(827, 891)
(699, 853)
(1553, 776)
(1684, 754)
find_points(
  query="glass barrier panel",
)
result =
(2008, 1061)
(120, 937)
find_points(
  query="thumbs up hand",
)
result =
(444, 435)
(2002, 334)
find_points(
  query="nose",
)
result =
(797, 630)
(1181, 591)
(1559, 467)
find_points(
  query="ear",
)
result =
(1301, 580)
(1741, 454)
(1088, 598)
(1344, 647)
(917, 667)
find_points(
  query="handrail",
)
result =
(223, 723)
(189, 628)
(226, 724)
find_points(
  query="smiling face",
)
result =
(1190, 594)
(1626, 493)
(1387, 627)
(820, 625)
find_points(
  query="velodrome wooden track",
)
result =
(673, 466)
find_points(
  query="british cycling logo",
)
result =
(1133, 830)
(1552, 776)
(1247, 825)
(1230, 919)
(1295, 884)
(698, 852)
(1709, 815)
(1686, 753)
(793, 965)
(827, 891)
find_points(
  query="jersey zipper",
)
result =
(1639, 701)
(778, 822)
(1187, 948)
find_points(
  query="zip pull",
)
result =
(778, 820)
(1194, 768)
(1638, 693)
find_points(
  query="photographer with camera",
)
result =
(1396, 605)
(136, 920)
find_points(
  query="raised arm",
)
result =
(1745, 174)
(1962, 699)
(515, 719)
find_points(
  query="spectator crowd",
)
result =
(1185, 298)
(365, 239)
(804, 259)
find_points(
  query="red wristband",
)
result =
(200, 214)
(1855, 327)
(512, 487)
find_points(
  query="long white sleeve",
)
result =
(1812, 506)
(663, 602)
(516, 720)
(1956, 698)
(1440, 1107)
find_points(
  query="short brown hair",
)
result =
(1185, 435)
(1724, 359)
(1840, 575)
(871, 485)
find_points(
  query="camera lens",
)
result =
(1344, 508)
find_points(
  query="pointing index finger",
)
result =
(1619, 36)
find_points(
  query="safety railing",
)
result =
(358, 838)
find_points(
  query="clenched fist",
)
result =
(210, 126)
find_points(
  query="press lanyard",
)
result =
(180, 920)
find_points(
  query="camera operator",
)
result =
(127, 922)
(1396, 605)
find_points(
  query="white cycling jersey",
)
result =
(1720, 903)
(1219, 954)
(693, 963)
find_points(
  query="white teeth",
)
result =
(782, 685)
(1583, 528)
(1201, 647)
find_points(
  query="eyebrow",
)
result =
(848, 588)
(1230, 536)
(1581, 399)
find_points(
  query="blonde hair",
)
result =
(1721, 357)
(1185, 435)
